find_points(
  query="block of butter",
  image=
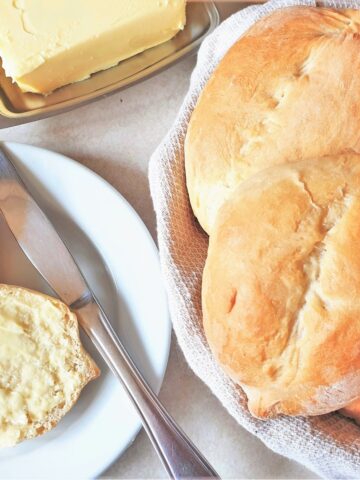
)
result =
(47, 44)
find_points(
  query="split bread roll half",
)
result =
(281, 287)
(43, 366)
(288, 90)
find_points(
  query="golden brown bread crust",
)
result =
(288, 90)
(78, 359)
(281, 287)
(352, 411)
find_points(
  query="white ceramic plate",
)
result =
(120, 260)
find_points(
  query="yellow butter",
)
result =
(42, 369)
(47, 44)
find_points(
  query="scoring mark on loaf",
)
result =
(232, 301)
(270, 121)
(343, 21)
(331, 216)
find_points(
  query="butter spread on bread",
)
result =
(43, 366)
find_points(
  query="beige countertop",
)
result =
(115, 137)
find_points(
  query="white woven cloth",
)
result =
(328, 444)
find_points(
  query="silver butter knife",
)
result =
(42, 245)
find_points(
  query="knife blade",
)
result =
(26, 220)
(45, 249)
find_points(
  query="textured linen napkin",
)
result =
(327, 444)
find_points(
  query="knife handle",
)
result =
(179, 456)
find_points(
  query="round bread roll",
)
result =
(43, 366)
(281, 287)
(287, 91)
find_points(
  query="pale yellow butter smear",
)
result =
(40, 368)
(45, 44)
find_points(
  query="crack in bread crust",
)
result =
(312, 268)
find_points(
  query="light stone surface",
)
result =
(115, 137)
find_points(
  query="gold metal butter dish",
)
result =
(17, 107)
